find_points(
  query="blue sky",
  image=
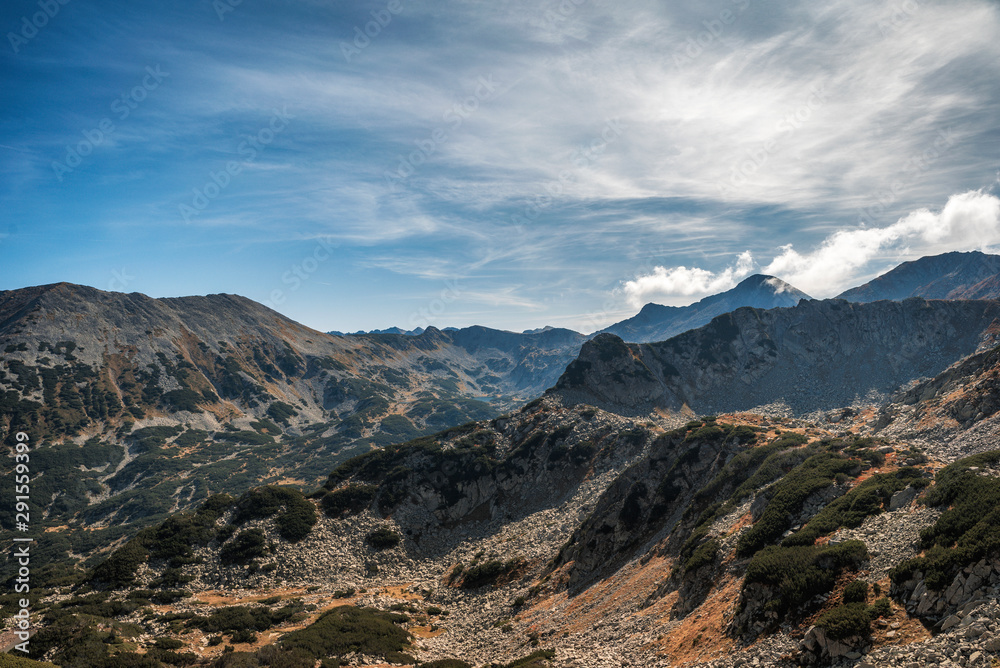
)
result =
(504, 163)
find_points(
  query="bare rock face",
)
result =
(817, 647)
(818, 355)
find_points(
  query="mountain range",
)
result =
(254, 492)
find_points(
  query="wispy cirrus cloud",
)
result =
(744, 127)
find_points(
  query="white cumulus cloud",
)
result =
(666, 285)
(968, 221)
(845, 259)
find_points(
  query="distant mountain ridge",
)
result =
(658, 323)
(814, 356)
(957, 275)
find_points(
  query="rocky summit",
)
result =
(659, 323)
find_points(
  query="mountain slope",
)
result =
(659, 323)
(957, 275)
(140, 407)
(815, 356)
(592, 539)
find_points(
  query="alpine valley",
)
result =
(758, 479)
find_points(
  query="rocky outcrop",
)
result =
(817, 647)
(978, 581)
(818, 355)
(643, 504)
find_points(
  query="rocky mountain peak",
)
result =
(946, 276)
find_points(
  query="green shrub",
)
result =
(347, 629)
(789, 495)
(119, 569)
(296, 515)
(243, 635)
(856, 592)
(246, 546)
(802, 572)
(184, 400)
(850, 510)
(168, 643)
(964, 533)
(279, 411)
(881, 608)
(351, 499)
(703, 556)
(537, 659)
(383, 538)
(488, 573)
(845, 621)
(446, 663)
